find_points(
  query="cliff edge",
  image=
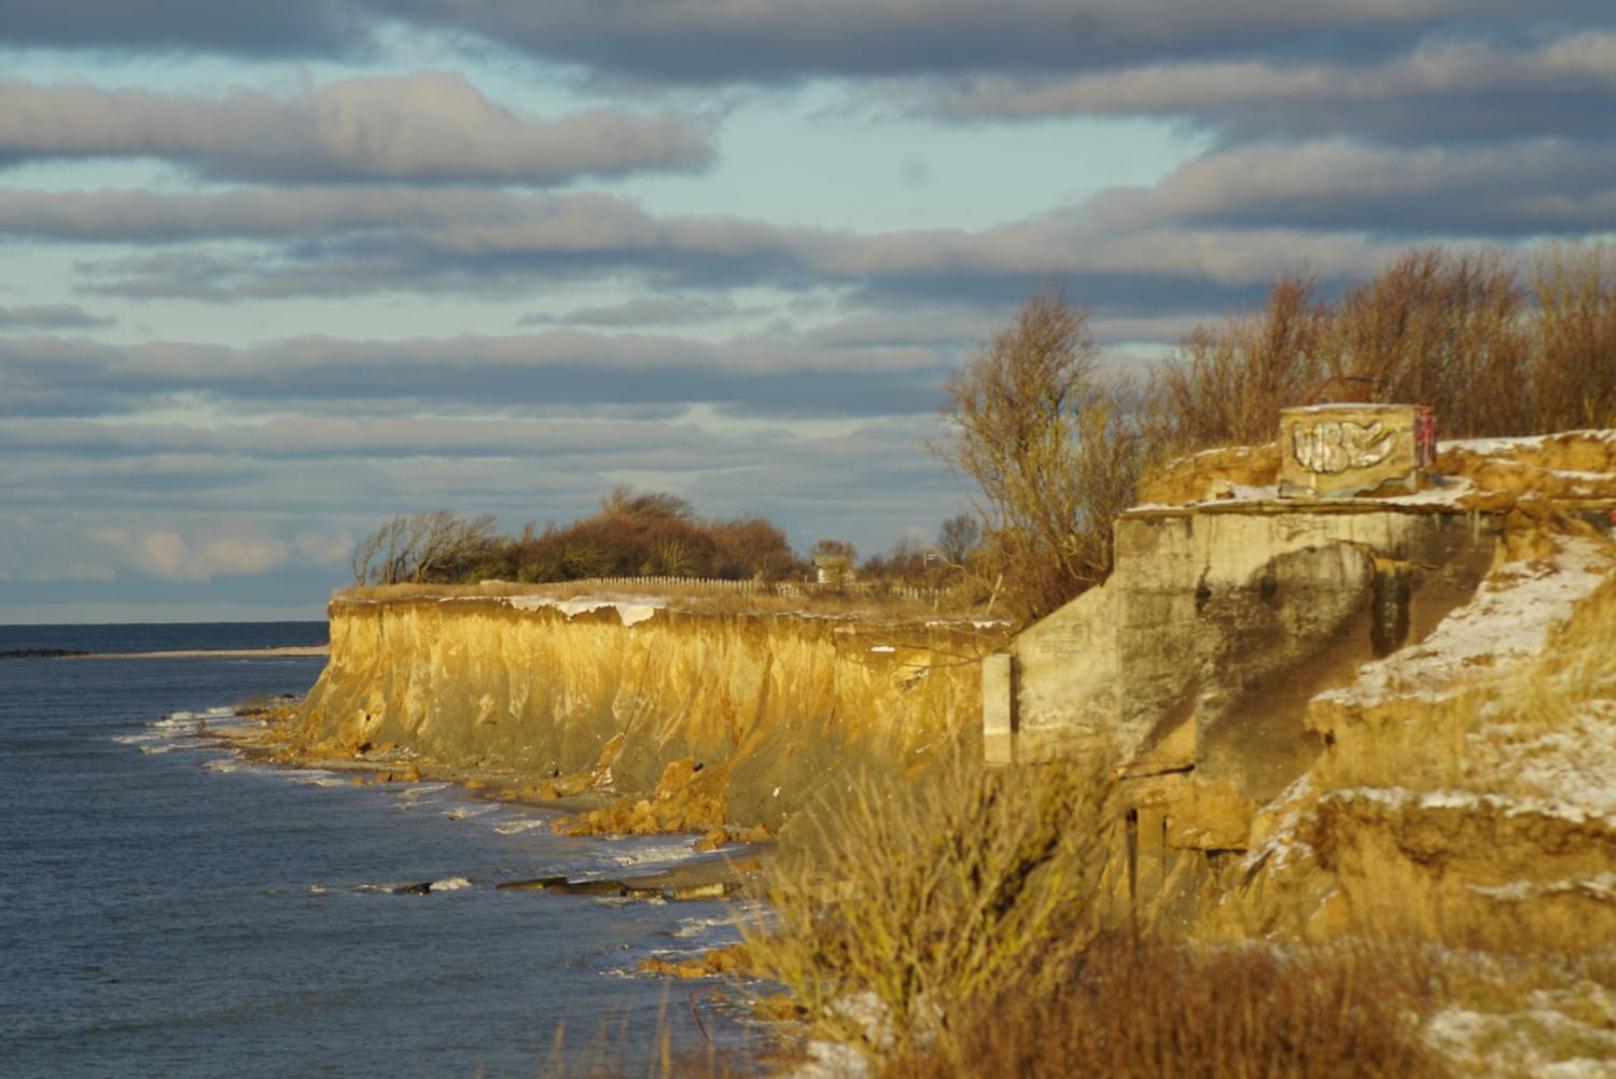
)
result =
(1387, 714)
(661, 720)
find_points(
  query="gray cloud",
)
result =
(643, 311)
(1513, 191)
(1440, 91)
(333, 242)
(283, 28)
(713, 41)
(56, 316)
(753, 376)
(426, 128)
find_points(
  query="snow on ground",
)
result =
(1542, 1041)
(1570, 761)
(1443, 490)
(1510, 617)
(632, 609)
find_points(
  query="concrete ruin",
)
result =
(1218, 624)
(1235, 602)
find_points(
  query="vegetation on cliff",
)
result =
(1057, 444)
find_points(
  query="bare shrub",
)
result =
(1053, 448)
(1443, 329)
(1174, 1010)
(944, 892)
(1575, 374)
(1495, 354)
(1228, 383)
(958, 537)
(417, 547)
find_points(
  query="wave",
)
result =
(676, 851)
(517, 827)
(469, 811)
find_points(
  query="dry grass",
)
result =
(703, 598)
(943, 893)
(1164, 1010)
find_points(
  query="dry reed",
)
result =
(940, 893)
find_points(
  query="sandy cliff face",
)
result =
(758, 711)
(1468, 792)
(1380, 715)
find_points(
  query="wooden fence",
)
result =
(754, 587)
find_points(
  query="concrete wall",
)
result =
(1199, 654)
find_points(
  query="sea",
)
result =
(167, 908)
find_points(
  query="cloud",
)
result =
(485, 243)
(58, 316)
(643, 311)
(323, 549)
(425, 128)
(170, 556)
(719, 41)
(766, 374)
(283, 28)
(1440, 91)
(1518, 190)
(73, 571)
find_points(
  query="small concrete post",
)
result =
(999, 708)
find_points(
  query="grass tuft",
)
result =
(926, 897)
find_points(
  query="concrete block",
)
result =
(999, 708)
(1337, 451)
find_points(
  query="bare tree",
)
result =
(958, 537)
(1575, 328)
(834, 548)
(1054, 449)
(420, 547)
(623, 500)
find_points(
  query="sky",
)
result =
(272, 273)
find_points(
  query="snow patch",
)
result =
(631, 611)
(1510, 616)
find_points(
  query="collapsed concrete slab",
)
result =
(1217, 626)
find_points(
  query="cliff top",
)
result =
(1570, 469)
(637, 600)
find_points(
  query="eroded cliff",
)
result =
(1386, 715)
(692, 719)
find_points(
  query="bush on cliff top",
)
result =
(1056, 443)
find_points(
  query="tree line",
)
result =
(633, 534)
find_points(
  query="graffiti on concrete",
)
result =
(1331, 447)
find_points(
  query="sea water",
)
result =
(167, 908)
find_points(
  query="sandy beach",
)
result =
(300, 652)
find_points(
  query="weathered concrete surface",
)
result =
(1389, 716)
(1329, 451)
(1218, 626)
(758, 712)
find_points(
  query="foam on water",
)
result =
(703, 927)
(517, 827)
(311, 777)
(467, 812)
(652, 852)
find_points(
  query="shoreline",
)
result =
(730, 870)
(318, 651)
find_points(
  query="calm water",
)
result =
(166, 909)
